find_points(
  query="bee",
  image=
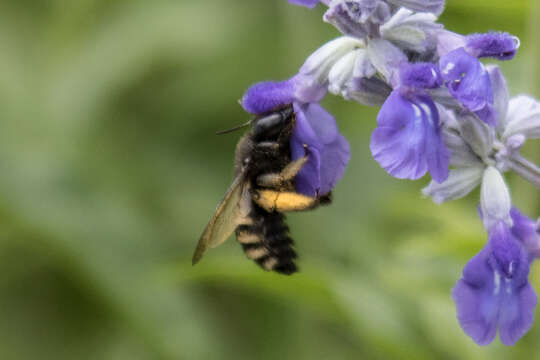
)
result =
(262, 190)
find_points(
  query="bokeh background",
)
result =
(110, 169)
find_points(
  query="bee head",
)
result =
(270, 125)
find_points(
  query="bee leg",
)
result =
(275, 180)
(283, 201)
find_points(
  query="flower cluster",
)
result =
(442, 111)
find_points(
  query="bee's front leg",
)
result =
(277, 180)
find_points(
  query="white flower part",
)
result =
(494, 198)
(363, 68)
(461, 154)
(523, 117)
(442, 96)
(500, 95)
(460, 182)
(431, 6)
(477, 134)
(386, 58)
(368, 91)
(342, 72)
(408, 29)
(448, 41)
(319, 63)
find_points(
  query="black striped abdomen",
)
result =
(266, 241)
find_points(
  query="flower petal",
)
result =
(494, 291)
(386, 58)
(460, 182)
(319, 63)
(477, 134)
(448, 41)
(407, 141)
(411, 31)
(523, 117)
(342, 72)
(499, 45)
(469, 82)
(368, 91)
(328, 151)
(357, 18)
(494, 198)
(500, 95)
(526, 231)
(304, 142)
(267, 96)
(471, 295)
(432, 6)
(461, 154)
(420, 75)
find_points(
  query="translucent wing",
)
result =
(225, 219)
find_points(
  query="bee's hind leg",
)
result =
(276, 180)
(284, 201)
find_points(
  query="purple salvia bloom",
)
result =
(315, 134)
(420, 75)
(327, 149)
(407, 141)
(498, 45)
(494, 292)
(469, 83)
(526, 231)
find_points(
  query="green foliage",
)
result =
(110, 170)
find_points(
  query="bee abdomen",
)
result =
(267, 242)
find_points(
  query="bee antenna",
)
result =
(234, 128)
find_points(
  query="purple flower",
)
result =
(527, 231)
(315, 133)
(420, 75)
(469, 83)
(407, 141)
(494, 292)
(498, 45)
(266, 96)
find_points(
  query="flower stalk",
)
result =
(443, 113)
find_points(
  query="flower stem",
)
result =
(525, 169)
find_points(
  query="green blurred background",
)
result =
(110, 169)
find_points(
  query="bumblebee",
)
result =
(262, 190)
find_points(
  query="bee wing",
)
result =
(224, 221)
